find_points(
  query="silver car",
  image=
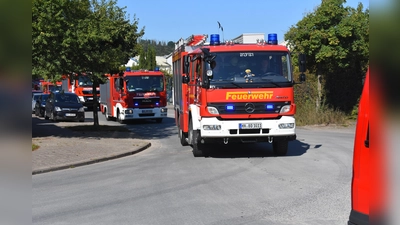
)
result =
(35, 97)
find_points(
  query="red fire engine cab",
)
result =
(369, 188)
(48, 86)
(227, 92)
(134, 95)
(81, 85)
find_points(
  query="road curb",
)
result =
(91, 161)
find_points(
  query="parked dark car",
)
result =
(64, 106)
(36, 92)
(40, 104)
(35, 97)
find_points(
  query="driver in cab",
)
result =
(265, 68)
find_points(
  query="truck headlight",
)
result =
(212, 110)
(81, 109)
(128, 111)
(58, 109)
(285, 109)
(164, 110)
(81, 98)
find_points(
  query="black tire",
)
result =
(280, 147)
(119, 118)
(106, 115)
(182, 136)
(41, 113)
(159, 120)
(53, 118)
(194, 141)
(46, 117)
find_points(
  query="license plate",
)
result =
(70, 114)
(249, 125)
(147, 111)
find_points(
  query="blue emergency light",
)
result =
(230, 107)
(269, 106)
(128, 69)
(272, 39)
(157, 68)
(214, 40)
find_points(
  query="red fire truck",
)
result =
(48, 86)
(134, 95)
(360, 186)
(82, 86)
(223, 94)
(369, 191)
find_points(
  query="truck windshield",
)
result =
(84, 81)
(53, 88)
(144, 83)
(255, 69)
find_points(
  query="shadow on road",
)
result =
(145, 130)
(253, 150)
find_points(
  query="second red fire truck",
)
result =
(82, 86)
(227, 92)
(134, 95)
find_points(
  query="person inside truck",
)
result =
(265, 66)
(233, 67)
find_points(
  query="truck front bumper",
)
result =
(214, 128)
(150, 113)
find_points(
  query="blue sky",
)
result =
(171, 20)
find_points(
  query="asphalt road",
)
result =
(237, 184)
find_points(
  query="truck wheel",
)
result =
(53, 117)
(280, 147)
(106, 115)
(119, 120)
(195, 142)
(182, 136)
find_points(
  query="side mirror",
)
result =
(302, 77)
(213, 64)
(302, 62)
(185, 79)
(186, 60)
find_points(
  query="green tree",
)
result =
(142, 58)
(151, 58)
(147, 57)
(90, 36)
(48, 29)
(336, 41)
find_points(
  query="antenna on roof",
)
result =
(222, 29)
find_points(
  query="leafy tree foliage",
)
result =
(161, 48)
(336, 41)
(81, 36)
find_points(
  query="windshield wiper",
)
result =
(270, 82)
(222, 83)
(237, 85)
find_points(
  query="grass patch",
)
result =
(35, 147)
(307, 114)
(93, 128)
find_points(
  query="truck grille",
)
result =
(248, 107)
(146, 102)
(87, 92)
